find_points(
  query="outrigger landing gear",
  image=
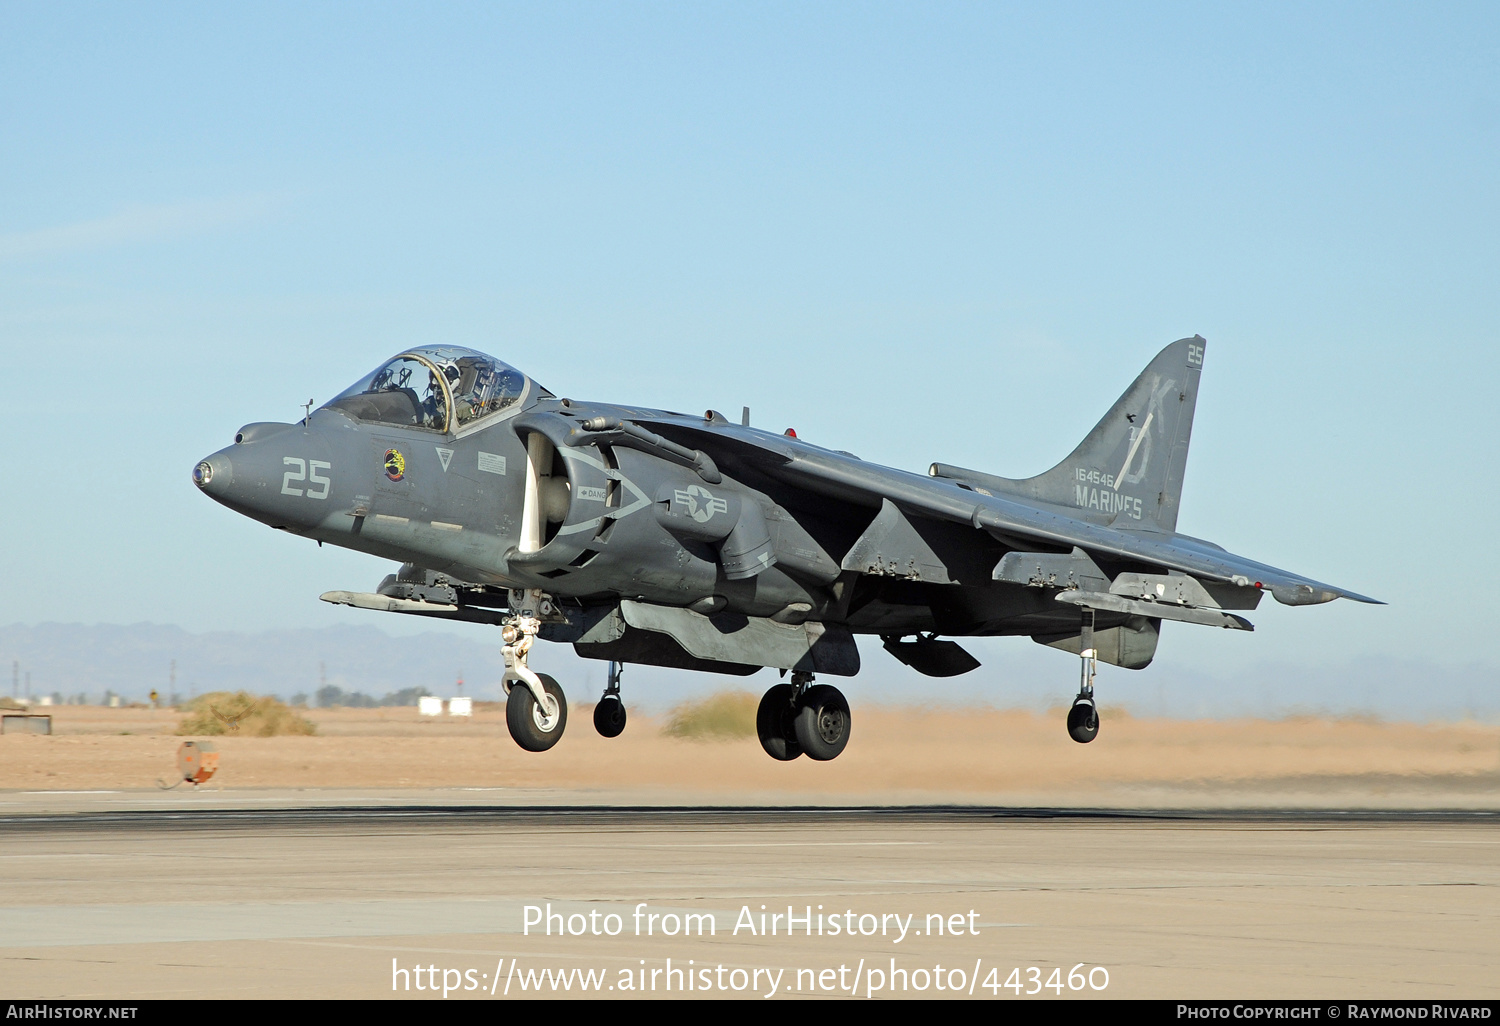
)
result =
(1083, 718)
(609, 714)
(536, 712)
(803, 717)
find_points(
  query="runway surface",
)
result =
(344, 901)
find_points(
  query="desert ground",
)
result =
(315, 866)
(973, 756)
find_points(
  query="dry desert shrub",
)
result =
(239, 712)
(722, 717)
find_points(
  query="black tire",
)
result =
(773, 724)
(1083, 722)
(822, 722)
(528, 727)
(609, 716)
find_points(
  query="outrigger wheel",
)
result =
(1083, 718)
(531, 726)
(609, 712)
(609, 716)
(1083, 721)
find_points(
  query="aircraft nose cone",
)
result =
(214, 475)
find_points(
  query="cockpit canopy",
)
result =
(440, 388)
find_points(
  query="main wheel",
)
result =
(532, 727)
(822, 722)
(609, 716)
(1083, 722)
(773, 724)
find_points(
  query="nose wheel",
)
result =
(536, 710)
(537, 726)
(803, 718)
(609, 713)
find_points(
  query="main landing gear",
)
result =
(1083, 718)
(536, 712)
(609, 714)
(803, 718)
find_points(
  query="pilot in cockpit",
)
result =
(462, 402)
(478, 385)
(467, 381)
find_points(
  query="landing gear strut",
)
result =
(609, 714)
(803, 718)
(536, 712)
(1083, 718)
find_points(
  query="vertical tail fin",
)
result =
(1128, 471)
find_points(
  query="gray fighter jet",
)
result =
(642, 536)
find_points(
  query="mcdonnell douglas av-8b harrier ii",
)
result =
(641, 536)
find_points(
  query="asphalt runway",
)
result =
(343, 902)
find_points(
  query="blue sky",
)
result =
(918, 232)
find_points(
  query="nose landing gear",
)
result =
(803, 718)
(609, 714)
(536, 712)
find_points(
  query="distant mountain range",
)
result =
(73, 660)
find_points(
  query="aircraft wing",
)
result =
(846, 478)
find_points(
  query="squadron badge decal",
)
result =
(395, 464)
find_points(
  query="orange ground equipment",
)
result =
(197, 761)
